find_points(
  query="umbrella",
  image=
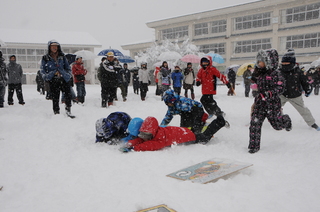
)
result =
(2, 43)
(170, 56)
(315, 63)
(191, 58)
(216, 57)
(243, 68)
(234, 67)
(116, 52)
(305, 67)
(86, 55)
(125, 59)
(71, 58)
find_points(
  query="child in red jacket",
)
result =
(207, 77)
(153, 137)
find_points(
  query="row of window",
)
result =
(302, 13)
(303, 41)
(290, 15)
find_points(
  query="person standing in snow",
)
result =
(267, 104)
(314, 78)
(247, 80)
(156, 80)
(56, 70)
(177, 78)
(15, 74)
(79, 73)
(295, 82)
(164, 76)
(135, 80)
(232, 80)
(144, 79)
(124, 80)
(3, 79)
(188, 80)
(153, 137)
(40, 83)
(109, 79)
(112, 128)
(207, 77)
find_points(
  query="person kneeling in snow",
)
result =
(112, 128)
(152, 137)
(191, 111)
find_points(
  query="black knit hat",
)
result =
(289, 56)
(189, 64)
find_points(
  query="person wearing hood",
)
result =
(153, 137)
(56, 70)
(3, 79)
(207, 77)
(15, 74)
(188, 80)
(144, 80)
(113, 128)
(296, 82)
(232, 80)
(177, 78)
(164, 76)
(267, 104)
(79, 73)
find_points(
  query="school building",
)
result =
(30, 45)
(238, 32)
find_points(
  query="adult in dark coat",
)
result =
(15, 74)
(296, 82)
(3, 79)
(247, 80)
(124, 80)
(232, 80)
(109, 79)
(40, 83)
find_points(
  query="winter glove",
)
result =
(149, 82)
(162, 125)
(125, 149)
(249, 77)
(228, 85)
(198, 83)
(307, 94)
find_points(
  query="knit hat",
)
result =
(289, 56)
(189, 63)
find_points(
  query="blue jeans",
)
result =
(81, 89)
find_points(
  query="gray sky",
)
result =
(111, 22)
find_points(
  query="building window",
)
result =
(252, 45)
(218, 26)
(201, 29)
(27, 58)
(303, 41)
(218, 48)
(302, 13)
(173, 33)
(252, 21)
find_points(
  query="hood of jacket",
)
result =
(59, 47)
(150, 125)
(270, 57)
(134, 126)
(204, 58)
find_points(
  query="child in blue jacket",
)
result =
(177, 78)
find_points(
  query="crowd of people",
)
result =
(273, 84)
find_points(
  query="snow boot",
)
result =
(103, 104)
(186, 95)
(110, 103)
(253, 148)
(68, 112)
(315, 126)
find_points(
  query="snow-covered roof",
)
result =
(43, 36)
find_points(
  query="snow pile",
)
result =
(51, 163)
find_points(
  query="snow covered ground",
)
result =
(52, 163)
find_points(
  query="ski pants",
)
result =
(210, 105)
(270, 110)
(58, 84)
(246, 90)
(15, 87)
(108, 94)
(124, 90)
(81, 89)
(298, 104)
(143, 90)
(193, 119)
